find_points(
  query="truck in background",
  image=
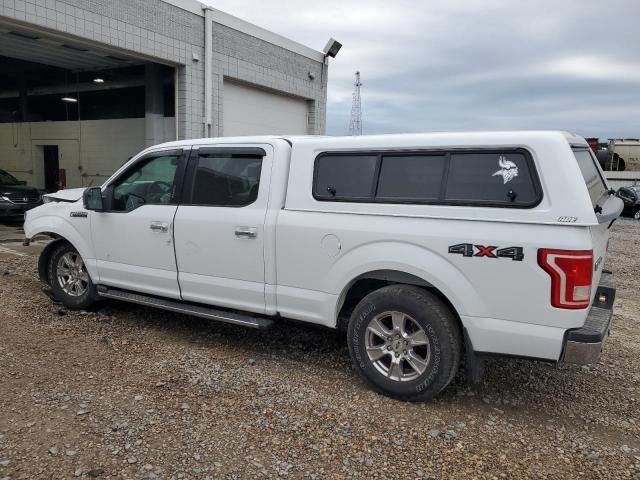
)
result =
(620, 160)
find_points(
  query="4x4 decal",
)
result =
(491, 251)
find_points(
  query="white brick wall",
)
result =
(162, 31)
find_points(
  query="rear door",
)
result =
(607, 208)
(219, 226)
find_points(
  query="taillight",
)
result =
(571, 274)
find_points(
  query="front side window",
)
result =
(151, 181)
(226, 180)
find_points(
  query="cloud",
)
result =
(471, 65)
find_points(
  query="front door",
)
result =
(133, 238)
(219, 227)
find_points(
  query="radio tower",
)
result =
(355, 124)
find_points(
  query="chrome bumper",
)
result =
(582, 346)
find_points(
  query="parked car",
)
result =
(427, 248)
(16, 197)
(631, 198)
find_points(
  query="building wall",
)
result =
(89, 150)
(251, 60)
(159, 31)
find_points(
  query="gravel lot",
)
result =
(131, 392)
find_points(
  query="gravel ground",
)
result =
(131, 392)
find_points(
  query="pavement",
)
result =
(11, 238)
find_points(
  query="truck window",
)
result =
(483, 178)
(225, 180)
(345, 177)
(149, 182)
(490, 178)
(592, 178)
(410, 177)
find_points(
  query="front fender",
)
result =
(77, 235)
(408, 258)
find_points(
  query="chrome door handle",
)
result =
(161, 227)
(246, 232)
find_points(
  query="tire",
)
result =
(392, 367)
(65, 263)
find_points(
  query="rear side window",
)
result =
(493, 178)
(484, 178)
(592, 178)
(225, 180)
(341, 177)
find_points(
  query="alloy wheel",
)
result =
(72, 274)
(397, 346)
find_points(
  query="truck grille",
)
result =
(23, 198)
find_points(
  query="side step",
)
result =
(204, 311)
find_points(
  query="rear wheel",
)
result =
(69, 279)
(405, 342)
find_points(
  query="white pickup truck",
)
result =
(428, 248)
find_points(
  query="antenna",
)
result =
(355, 124)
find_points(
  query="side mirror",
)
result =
(22, 182)
(92, 199)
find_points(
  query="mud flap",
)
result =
(473, 363)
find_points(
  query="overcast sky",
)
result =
(471, 64)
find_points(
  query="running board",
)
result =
(204, 311)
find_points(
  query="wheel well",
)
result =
(43, 259)
(363, 285)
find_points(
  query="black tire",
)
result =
(443, 338)
(80, 302)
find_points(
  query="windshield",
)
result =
(594, 181)
(8, 179)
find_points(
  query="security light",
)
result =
(98, 80)
(69, 99)
(332, 48)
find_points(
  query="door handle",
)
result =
(246, 232)
(161, 227)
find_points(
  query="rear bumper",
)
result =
(583, 345)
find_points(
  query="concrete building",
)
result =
(85, 84)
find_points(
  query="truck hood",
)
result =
(68, 195)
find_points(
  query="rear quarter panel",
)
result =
(487, 287)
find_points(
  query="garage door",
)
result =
(252, 111)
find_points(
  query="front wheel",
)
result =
(69, 280)
(405, 342)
